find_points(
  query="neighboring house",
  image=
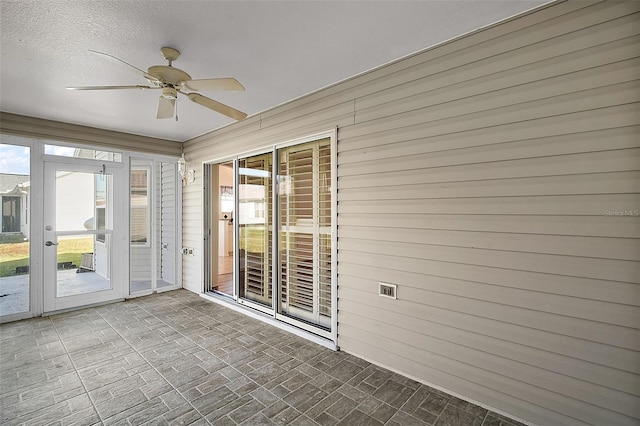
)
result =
(14, 198)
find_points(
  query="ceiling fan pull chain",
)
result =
(176, 109)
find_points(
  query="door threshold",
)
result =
(77, 308)
(253, 313)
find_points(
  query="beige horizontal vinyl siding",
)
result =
(20, 125)
(192, 231)
(167, 222)
(495, 179)
(482, 190)
(140, 262)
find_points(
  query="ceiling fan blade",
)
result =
(166, 107)
(111, 87)
(131, 67)
(216, 106)
(214, 84)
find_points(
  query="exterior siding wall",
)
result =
(167, 223)
(140, 254)
(165, 206)
(496, 180)
(20, 125)
(140, 262)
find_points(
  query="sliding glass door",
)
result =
(283, 232)
(304, 226)
(255, 203)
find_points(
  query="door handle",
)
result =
(50, 243)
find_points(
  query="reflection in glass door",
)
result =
(79, 236)
(15, 235)
(255, 228)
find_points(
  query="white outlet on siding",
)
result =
(387, 290)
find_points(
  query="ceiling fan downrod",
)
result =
(170, 54)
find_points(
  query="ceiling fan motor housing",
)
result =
(169, 93)
(169, 75)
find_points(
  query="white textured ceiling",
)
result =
(278, 50)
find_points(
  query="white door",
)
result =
(84, 234)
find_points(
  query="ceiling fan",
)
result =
(173, 81)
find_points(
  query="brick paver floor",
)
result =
(176, 358)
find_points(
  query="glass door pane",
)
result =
(83, 266)
(83, 239)
(14, 236)
(304, 223)
(140, 251)
(219, 211)
(255, 233)
(153, 228)
(83, 203)
(226, 207)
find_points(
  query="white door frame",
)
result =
(153, 162)
(118, 266)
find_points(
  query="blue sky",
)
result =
(14, 159)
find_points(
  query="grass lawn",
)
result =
(13, 255)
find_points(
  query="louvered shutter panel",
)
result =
(304, 221)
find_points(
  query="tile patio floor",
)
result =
(175, 358)
(15, 289)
